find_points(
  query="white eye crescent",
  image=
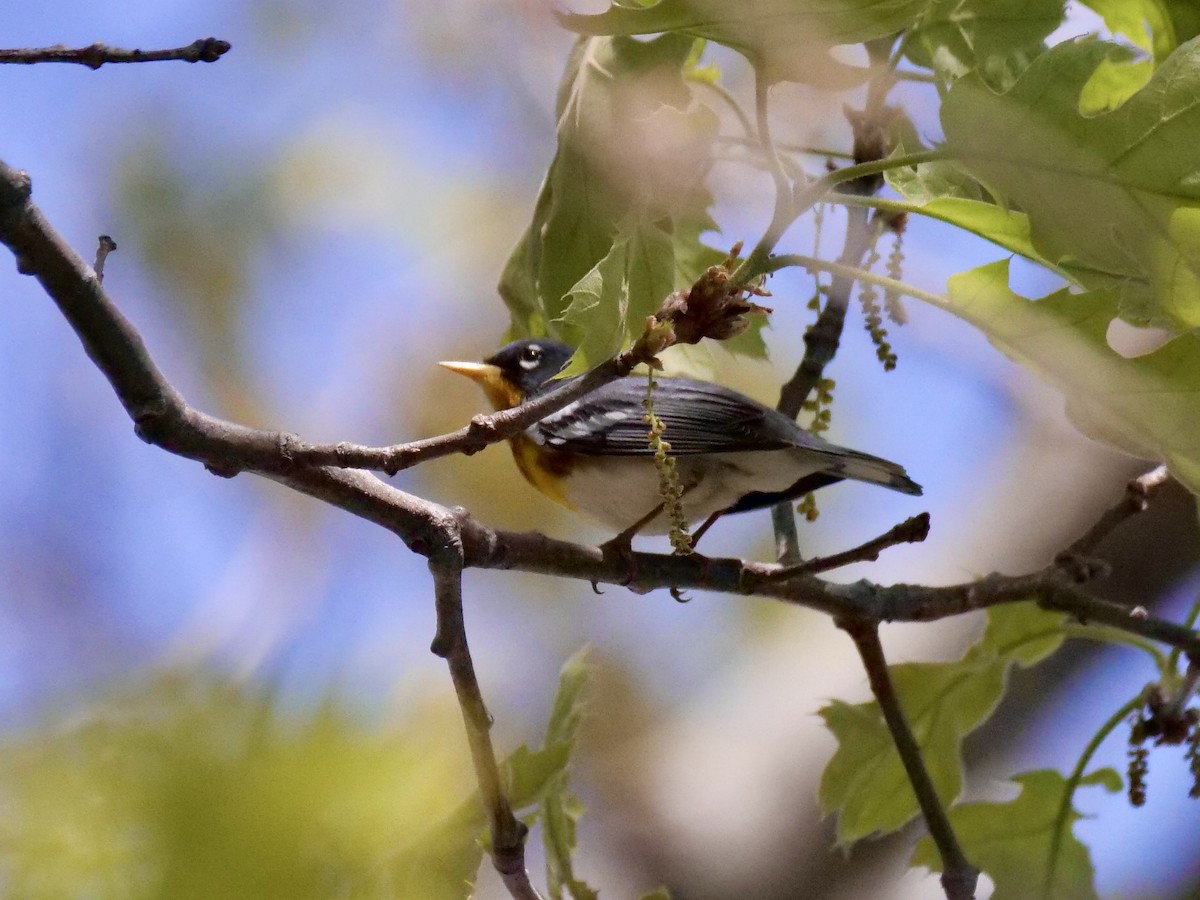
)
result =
(531, 357)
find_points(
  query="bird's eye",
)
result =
(531, 356)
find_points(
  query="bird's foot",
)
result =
(677, 592)
(620, 548)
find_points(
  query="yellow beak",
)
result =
(500, 391)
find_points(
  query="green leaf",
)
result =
(1108, 778)
(1148, 406)
(624, 197)
(1114, 197)
(1147, 24)
(567, 711)
(529, 774)
(1011, 841)
(660, 894)
(1022, 633)
(560, 810)
(188, 786)
(788, 39)
(996, 37)
(934, 180)
(1185, 18)
(1114, 81)
(943, 702)
(560, 816)
(596, 316)
(943, 189)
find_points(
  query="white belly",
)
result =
(627, 489)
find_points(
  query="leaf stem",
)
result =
(1116, 636)
(785, 212)
(919, 77)
(811, 263)
(796, 149)
(804, 199)
(1064, 807)
(1173, 659)
(736, 107)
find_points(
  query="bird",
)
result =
(732, 454)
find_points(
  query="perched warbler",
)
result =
(732, 454)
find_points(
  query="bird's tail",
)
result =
(874, 470)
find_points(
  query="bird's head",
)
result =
(516, 370)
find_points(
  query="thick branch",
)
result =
(450, 643)
(204, 50)
(226, 447)
(959, 877)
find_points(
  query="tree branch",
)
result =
(1138, 493)
(204, 50)
(164, 418)
(508, 834)
(959, 877)
(482, 431)
(910, 531)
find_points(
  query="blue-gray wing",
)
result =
(706, 418)
(699, 417)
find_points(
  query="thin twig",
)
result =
(959, 877)
(106, 246)
(714, 307)
(821, 343)
(910, 531)
(507, 832)
(482, 431)
(1190, 622)
(1138, 493)
(204, 50)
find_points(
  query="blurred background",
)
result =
(304, 229)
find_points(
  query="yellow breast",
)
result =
(544, 469)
